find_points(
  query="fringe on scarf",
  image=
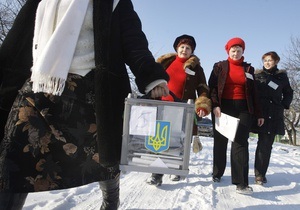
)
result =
(46, 84)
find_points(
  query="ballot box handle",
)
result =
(148, 96)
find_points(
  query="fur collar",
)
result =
(259, 71)
(167, 59)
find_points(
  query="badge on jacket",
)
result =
(189, 71)
(249, 76)
(273, 85)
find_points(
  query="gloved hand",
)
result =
(160, 90)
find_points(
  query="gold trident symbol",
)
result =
(160, 139)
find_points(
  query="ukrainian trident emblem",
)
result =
(161, 141)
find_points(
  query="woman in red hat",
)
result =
(187, 81)
(233, 92)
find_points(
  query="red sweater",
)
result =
(235, 82)
(177, 78)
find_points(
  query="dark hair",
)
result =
(185, 39)
(273, 55)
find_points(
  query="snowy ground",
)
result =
(197, 191)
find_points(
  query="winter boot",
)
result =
(245, 190)
(260, 180)
(110, 193)
(155, 179)
(12, 201)
(216, 179)
(175, 178)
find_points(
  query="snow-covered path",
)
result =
(197, 191)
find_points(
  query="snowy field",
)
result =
(197, 191)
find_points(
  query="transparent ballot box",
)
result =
(157, 136)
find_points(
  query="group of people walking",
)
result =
(257, 98)
(63, 83)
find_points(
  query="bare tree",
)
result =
(291, 62)
(8, 12)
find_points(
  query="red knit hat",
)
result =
(234, 41)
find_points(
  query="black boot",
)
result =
(110, 193)
(155, 179)
(12, 201)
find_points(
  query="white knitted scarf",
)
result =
(54, 44)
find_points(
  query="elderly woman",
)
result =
(233, 92)
(187, 81)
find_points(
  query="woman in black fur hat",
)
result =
(187, 81)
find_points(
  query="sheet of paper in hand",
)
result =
(227, 125)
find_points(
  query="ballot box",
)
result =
(157, 136)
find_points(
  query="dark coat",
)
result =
(118, 39)
(16, 54)
(16, 59)
(217, 81)
(274, 99)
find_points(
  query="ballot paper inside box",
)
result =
(157, 136)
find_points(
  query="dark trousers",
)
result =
(239, 147)
(12, 201)
(219, 154)
(263, 153)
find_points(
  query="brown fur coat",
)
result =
(195, 85)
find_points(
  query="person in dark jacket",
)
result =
(275, 95)
(187, 81)
(233, 92)
(64, 128)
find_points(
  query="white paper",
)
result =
(158, 163)
(174, 115)
(227, 125)
(142, 120)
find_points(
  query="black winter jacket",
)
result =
(275, 95)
